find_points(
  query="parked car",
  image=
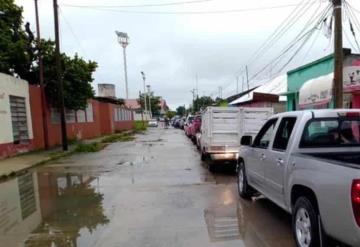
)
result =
(182, 123)
(222, 128)
(308, 163)
(194, 128)
(153, 123)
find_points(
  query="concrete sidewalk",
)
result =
(20, 163)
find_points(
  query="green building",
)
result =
(321, 67)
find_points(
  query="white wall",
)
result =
(16, 87)
(139, 117)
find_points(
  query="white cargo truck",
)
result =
(223, 127)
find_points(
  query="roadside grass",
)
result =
(123, 137)
(140, 126)
(89, 147)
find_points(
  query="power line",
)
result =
(72, 31)
(301, 8)
(107, 9)
(292, 44)
(140, 5)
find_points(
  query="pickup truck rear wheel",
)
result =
(244, 189)
(305, 224)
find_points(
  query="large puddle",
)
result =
(50, 209)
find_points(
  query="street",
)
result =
(153, 191)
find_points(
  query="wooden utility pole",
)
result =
(59, 78)
(237, 84)
(338, 55)
(247, 77)
(41, 79)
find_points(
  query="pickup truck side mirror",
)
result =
(246, 141)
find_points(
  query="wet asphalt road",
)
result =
(151, 192)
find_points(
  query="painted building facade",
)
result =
(311, 85)
(16, 131)
(22, 125)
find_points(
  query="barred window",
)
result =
(19, 119)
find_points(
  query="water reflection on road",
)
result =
(114, 198)
(43, 209)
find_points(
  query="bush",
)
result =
(140, 126)
(125, 137)
(89, 148)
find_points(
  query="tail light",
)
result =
(355, 199)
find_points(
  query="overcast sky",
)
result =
(173, 48)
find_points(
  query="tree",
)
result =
(221, 102)
(16, 56)
(19, 57)
(155, 103)
(201, 103)
(170, 114)
(180, 111)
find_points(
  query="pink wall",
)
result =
(103, 124)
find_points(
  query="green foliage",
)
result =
(89, 148)
(221, 102)
(76, 74)
(180, 111)
(124, 137)
(170, 114)
(201, 103)
(15, 58)
(140, 126)
(155, 103)
(19, 53)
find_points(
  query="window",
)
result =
(284, 132)
(80, 116)
(336, 132)
(70, 116)
(19, 119)
(262, 140)
(89, 113)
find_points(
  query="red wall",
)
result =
(103, 122)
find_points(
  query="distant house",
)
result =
(267, 95)
(164, 108)
(134, 105)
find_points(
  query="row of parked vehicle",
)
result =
(306, 162)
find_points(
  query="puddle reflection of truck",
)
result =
(222, 128)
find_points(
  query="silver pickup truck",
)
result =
(308, 163)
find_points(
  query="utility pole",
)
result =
(41, 79)
(145, 102)
(220, 92)
(247, 77)
(149, 96)
(338, 55)
(59, 78)
(193, 94)
(242, 85)
(142, 111)
(237, 84)
(123, 40)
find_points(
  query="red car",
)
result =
(194, 128)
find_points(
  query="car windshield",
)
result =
(336, 132)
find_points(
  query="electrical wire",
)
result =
(300, 9)
(139, 5)
(181, 12)
(72, 31)
(292, 44)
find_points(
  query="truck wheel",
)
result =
(305, 224)
(244, 189)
